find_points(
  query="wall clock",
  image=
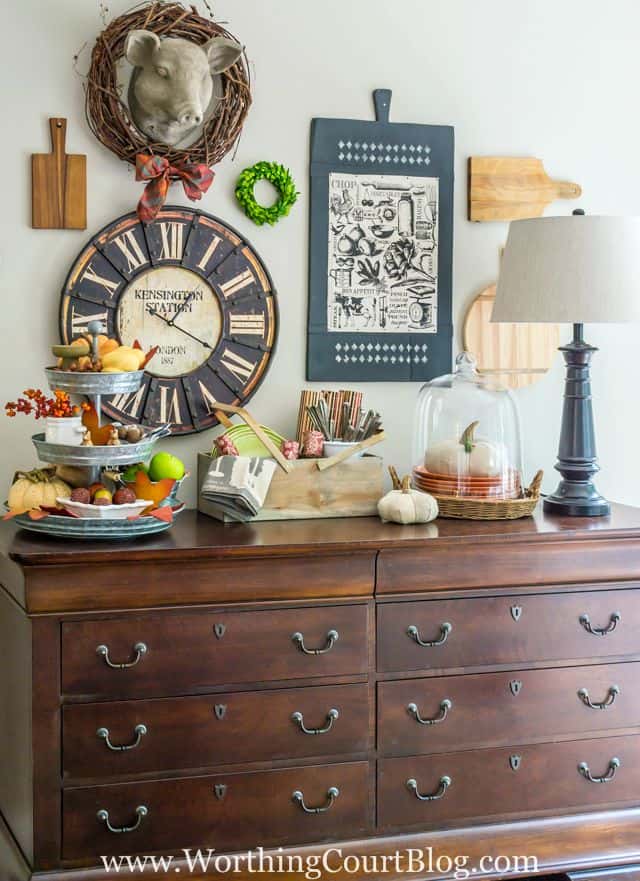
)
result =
(195, 287)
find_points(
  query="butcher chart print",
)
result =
(383, 254)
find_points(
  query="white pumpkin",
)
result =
(407, 505)
(34, 488)
(468, 456)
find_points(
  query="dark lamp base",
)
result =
(576, 495)
(567, 506)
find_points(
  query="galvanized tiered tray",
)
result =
(94, 459)
(100, 530)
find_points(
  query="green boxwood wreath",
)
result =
(281, 179)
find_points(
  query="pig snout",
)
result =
(191, 115)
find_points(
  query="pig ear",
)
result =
(140, 47)
(222, 53)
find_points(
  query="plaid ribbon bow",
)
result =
(158, 175)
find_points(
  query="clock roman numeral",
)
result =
(172, 241)
(237, 365)
(80, 322)
(129, 402)
(208, 254)
(170, 405)
(109, 285)
(128, 244)
(208, 399)
(237, 283)
(250, 324)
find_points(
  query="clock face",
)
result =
(195, 288)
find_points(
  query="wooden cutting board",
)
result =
(517, 354)
(58, 185)
(511, 188)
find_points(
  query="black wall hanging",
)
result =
(381, 249)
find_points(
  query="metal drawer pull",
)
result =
(139, 648)
(445, 783)
(332, 637)
(139, 731)
(614, 620)
(614, 764)
(445, 706)
(612, 694)
(445, 630)
(103, 817)
(298, 718)
(332, 793)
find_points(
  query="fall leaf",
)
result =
(152, 491)
(165, 514)
(37, 514)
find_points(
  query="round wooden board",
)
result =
(518, 354)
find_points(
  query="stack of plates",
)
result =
(502, 486)
(247, 444)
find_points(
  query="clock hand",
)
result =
(197, 339)
(153, 312)
(168, 321)
(181, 308)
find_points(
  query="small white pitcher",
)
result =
(64, 430)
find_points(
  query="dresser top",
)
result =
(195, 536)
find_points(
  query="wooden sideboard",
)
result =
(465, 687)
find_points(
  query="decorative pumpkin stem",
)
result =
(395, 480)
(406, 484)
(38, 475)
(467, 439)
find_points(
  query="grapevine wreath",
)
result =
(108, 115)
(281, 179)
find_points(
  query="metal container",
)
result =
(101, 384)
(93, 457)
(96, 530)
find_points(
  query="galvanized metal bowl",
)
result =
(88, 457)
(103, 384)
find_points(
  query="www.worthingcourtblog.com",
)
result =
(316, 867)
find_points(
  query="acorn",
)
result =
(81, 494)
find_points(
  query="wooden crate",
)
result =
(349, 489)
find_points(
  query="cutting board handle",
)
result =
(382, 104)
(568, 190)
(58, 126)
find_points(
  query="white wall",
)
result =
(557, 79)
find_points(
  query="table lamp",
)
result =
(572, 270)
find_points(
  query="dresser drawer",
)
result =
(226, 811)
(444, 713)
(483, 783)
(507, 630)
(169, 653)
(195, 732)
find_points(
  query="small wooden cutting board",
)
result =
(58, 185)
(512, 188)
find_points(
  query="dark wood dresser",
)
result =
(468, 688)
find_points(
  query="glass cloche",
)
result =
(467, 436)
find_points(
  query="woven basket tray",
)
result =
(491, 509)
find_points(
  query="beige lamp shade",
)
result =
(579, 269)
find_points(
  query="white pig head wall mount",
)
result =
(171, 89)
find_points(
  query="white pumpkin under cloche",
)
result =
(406, 505)
(467, 439)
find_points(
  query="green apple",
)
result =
(164, 465)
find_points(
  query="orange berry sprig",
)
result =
(34, 402)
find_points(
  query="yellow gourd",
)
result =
(34, 488)
(122, 360)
